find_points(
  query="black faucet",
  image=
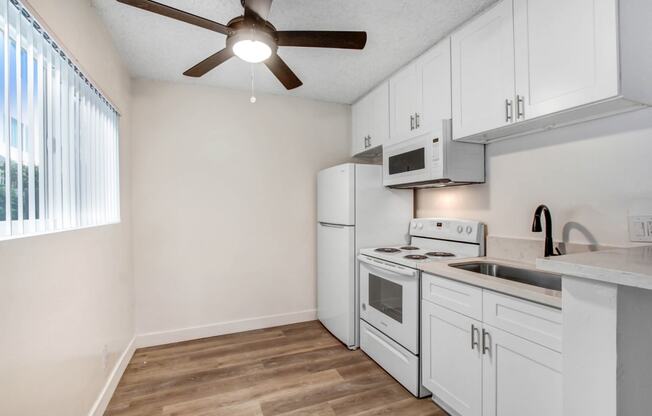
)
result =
(536, 228)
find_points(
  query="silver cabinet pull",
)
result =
(486, 346)
(520, 107)
(416, 120)
(509, 111)
(475, 331)
(411, 122)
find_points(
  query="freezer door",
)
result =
(336, 280)
(336, 195)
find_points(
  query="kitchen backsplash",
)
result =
(527, 250)
(590, 175)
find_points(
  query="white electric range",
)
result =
(390, 292)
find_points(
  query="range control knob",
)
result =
(460, 229)
(420, 226)
(469, 229)
(414, 225)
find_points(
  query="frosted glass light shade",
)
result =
(253, 51)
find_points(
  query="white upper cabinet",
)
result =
(434, 69)
(420, 94)
(528, 65)
(519, 67)
(403, 103)
(566, 54)
(370, 120)
(359, 134)
(379, 117)
(483, 72)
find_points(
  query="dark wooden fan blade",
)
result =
(209, 63)
(171, 12)
(318, 39)
(283, 72)
(260, 7)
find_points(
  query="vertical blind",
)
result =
(59, 140)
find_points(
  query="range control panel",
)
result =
(448, 229)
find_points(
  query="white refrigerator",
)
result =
(354, 211)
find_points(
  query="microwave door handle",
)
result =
(386, 267)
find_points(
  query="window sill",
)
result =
(44, 233)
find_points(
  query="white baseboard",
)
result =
(222, 328)
(114, 378)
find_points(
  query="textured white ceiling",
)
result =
(157, 47)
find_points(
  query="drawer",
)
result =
(396, 360)
(456, 296)
(529, 320)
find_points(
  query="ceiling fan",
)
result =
(253, 39)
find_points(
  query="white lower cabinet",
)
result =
(451, 367)
(519, 377)
(474, 368)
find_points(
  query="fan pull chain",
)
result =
(252, 100)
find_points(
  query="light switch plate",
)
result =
(640, 228)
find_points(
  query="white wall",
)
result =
(589, 175)
(224, 205)
(64, 297)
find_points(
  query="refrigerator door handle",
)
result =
(328, 224)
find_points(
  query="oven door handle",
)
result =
(387, 267)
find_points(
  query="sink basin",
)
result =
(530, 277)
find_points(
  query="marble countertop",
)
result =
(520, 290)
(623, 266)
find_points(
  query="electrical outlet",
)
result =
(640, 228)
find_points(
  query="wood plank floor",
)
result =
(298, 369)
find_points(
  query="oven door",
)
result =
(389, 300)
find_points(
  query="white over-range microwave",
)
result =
(433, 160)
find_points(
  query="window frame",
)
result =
(71, 149)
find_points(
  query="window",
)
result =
(58, 136)
(386, 297)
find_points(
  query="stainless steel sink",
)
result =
(530, 277)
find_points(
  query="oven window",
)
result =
(386, 297)
(407, 162)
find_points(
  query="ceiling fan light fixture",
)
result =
(254, 39)
(252, 51)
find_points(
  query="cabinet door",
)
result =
(359, 125)
(450, 367)
(379, 115)
(520, 377)
(435, 73)
(403, 97)
(483, 72)
(566, 53)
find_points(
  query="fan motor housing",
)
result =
(245, 29)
